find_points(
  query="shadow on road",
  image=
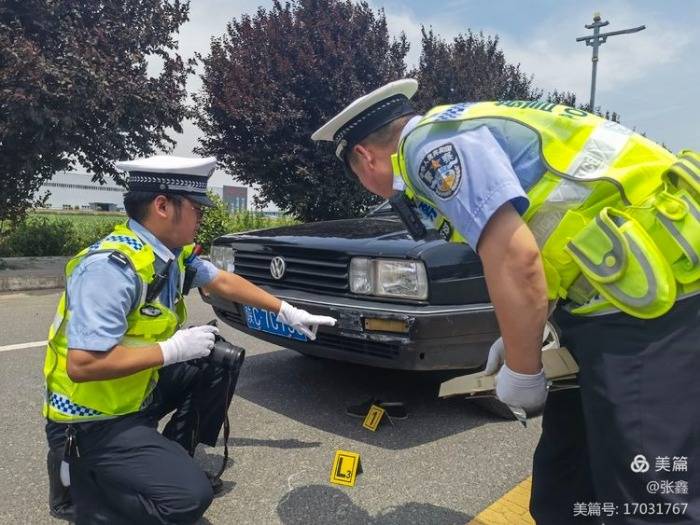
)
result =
(331, 505)
(316, 392)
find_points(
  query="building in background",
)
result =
(71, 190)
(236, 197)
(216, 190)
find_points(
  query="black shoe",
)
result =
(63, 512)
(393, 409)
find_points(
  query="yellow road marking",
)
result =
(511, 509)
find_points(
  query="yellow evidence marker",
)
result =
(373, 418)
(346, 468)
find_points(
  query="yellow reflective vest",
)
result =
(67, 401)
(616, 216)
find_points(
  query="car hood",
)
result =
(454, 270)
(380, 236)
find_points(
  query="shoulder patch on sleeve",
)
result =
(441, 171)
(119, 259)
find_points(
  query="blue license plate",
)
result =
(264, 321)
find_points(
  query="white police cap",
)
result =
(367, 114)
(171, 175)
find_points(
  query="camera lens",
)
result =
(227, 355)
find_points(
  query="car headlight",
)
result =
(388, 278)
(223, 257)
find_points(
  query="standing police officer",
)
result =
(563, 205)
(118, 358)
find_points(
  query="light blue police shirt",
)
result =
(469, 176)
(101, 293)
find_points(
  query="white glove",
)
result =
(497, 352)
(496, 358)
(526, 391)
(302, 320)
(187, 344)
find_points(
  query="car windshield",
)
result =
(382, 209)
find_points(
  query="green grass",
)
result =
(45, 233)
(89, 227)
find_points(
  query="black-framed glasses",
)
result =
(198, 210)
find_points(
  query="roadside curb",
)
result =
(20, 284)
(18, 274)
(32, 273)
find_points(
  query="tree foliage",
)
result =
(273, 78)
(471, 67)
(218, 220)
(74, 88)
(278, 75)
(569, 99)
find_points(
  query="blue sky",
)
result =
(651, 78)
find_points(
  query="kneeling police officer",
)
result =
(118, 359)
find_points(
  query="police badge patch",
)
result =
(441, 171)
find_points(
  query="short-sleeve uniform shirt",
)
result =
(101, 293)
(467, 175)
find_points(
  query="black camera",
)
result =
(224, 354)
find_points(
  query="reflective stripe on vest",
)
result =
(593, 167)
(67, 401)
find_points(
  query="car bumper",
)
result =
(432, 337)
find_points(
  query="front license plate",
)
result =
(264, 321)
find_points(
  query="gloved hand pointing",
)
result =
(302, 320)
(187, 344)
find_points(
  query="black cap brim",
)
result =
(202, 200)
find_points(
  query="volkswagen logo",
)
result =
(277, 267)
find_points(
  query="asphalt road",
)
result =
(442, 465)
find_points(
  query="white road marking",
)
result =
(20, 346)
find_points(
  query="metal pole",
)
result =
(594, 59)
(595, 41)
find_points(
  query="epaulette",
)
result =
(119, 259)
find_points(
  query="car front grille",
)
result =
(303, 273)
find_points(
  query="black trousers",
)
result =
(128, 472)
(639, 395)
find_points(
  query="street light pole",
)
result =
(595, 41)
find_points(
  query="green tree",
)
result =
(74, 88)
(471, 67)
(569, 99)
(273, 78)
(216, 221)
